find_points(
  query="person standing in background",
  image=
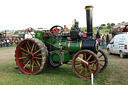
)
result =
(16, 41)
(7, 43)
(4, 43)
(11, 42)
(107, 39)
(98, 35)
(103, 42)
(98, 41)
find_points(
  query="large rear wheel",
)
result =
(30, 56)
(84, 63)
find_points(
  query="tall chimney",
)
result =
(89, 21)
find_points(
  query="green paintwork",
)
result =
(39, 34)
(68, 46)
(66, 56)
(50, 39)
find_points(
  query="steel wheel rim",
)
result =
(103, 60)
(86, 69)
(27, 59)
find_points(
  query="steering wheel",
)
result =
(57, 29)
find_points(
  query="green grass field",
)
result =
(63, 75)
(105, 31)
(115, 73)
(60, 76)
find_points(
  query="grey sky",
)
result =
(21, 14)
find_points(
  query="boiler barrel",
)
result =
(74, 47)
(70, 46)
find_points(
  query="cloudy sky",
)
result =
(21, 14)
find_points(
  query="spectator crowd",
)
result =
(9, 42)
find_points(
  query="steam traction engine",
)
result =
(55, 47)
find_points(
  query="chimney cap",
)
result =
(89, 7)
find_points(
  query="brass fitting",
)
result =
(88, 7)
(73, 25)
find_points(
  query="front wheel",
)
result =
(84, 63)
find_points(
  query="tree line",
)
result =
(102, 26)
(107, 26)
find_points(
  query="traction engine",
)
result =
(56, 47)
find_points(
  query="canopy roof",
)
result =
(121, 25)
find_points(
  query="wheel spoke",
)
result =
(24, 53)
(101, 65)
(78, 66)
(23, 57)
(90, 70)
(100, 56)
(38, 58)
(29, 45)
(92, 61)
(27, 48)
(37, 51)
(25, 61)
(23, 49)
(26, 64)
(32, 47)
(78, 61)
(85, 72)
(35, 63)
(89, 58)
(92, 66)
(102, 60)
(38, 54)
(81, 70)
(32, 65)
(79, 56)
